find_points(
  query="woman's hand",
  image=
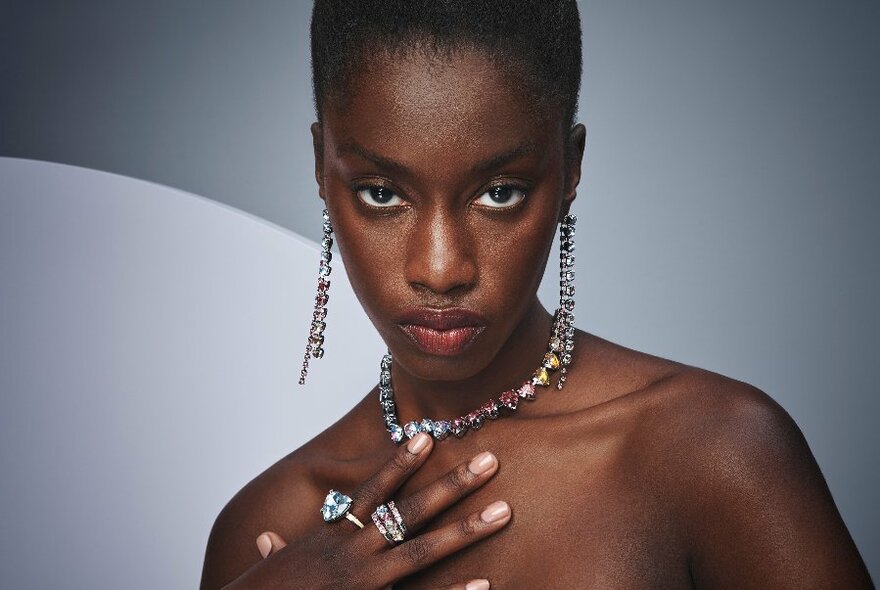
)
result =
(269, 543)
(339, 555)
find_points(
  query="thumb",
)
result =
(270, 543)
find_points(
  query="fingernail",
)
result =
(477, 585)
(418, 443)
(264, 544)
(495, 511)
(481, 463)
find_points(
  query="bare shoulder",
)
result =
(725, 443)
(284, 498)
(739, 480)
(716, 420)
(684, 411)
(695, 422)
(731, 467)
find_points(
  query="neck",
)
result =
(515, 362)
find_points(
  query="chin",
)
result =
(442, 367)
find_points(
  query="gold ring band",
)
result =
(354, 519)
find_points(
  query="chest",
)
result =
(580, 520)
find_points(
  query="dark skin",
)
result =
(641, 473)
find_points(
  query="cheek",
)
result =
(511, 260)
(510, 257)
(373, 262)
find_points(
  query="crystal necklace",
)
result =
(559, 354)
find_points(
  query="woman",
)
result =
(446, 154)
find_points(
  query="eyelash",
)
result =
(370, 188)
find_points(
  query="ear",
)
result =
(575, 143)
(318, 146)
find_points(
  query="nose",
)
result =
(440, 255)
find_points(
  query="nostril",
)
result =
(442, 271)
(447, 282)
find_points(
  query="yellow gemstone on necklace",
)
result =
(542, 377)
(551, 361)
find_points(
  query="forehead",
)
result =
(465, 101)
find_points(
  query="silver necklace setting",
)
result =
(558, 356)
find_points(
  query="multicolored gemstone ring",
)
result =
(559, 354)
(387, 519)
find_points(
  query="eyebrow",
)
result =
(492, 163)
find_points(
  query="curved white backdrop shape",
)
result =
(150, 347)
(151, 340)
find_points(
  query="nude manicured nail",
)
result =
(418, 443)
(495, 511)
(264, 544)
(481, 463)
(477, 585)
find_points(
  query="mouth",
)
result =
(442, 332)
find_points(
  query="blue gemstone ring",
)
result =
(338, 505)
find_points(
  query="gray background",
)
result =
(728, 208)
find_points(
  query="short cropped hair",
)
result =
(542, 35)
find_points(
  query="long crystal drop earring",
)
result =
(315, 343)
(565, 330)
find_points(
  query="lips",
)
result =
(442, 332)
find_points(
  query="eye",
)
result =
(501, 197)
(378, 196)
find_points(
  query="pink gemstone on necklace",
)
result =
(509, 399)
(474, 419)
(559, 357)
(527, 391)
(490, 409)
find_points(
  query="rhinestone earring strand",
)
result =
(566, 293)
(315, 343)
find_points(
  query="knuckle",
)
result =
(458, 480)
(351, 581)
(331, 554)
(343, 580)
(369, 492)
(468, 527)
(368, 582)
(402, 461)
(375, 573)
(412, 510)
(417, 550)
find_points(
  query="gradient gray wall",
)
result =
(729, 205)
(715, 105)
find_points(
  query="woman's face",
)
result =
(444, 184)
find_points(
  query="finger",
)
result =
(420, 507)
(269, 543)
(472, 585)
(405, 461)
(425, 549)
